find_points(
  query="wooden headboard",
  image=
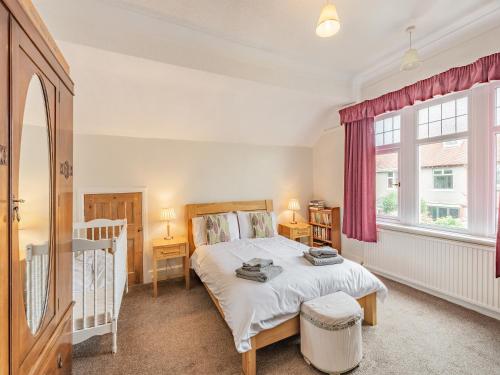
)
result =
(200, 209)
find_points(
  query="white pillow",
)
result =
(246, 228)
(200, 229)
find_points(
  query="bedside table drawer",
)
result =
(301, 232)
(169, 252)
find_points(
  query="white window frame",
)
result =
(439, 139)
(481, 176)
(389, 149)
(494, 131)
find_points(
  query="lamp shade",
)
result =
(294, 205)
(167, 214)
(328, 22)
(411, 60)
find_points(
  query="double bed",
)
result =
(259, 314)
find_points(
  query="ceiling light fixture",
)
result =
(328, 22)
(411, 60)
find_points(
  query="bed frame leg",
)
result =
(369, 304)
(249, 359)
(114, 328)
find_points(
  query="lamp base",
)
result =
(168, 238)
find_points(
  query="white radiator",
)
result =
(463, 273)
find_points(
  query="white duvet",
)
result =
(250, 307)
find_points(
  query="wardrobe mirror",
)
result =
(32, 205)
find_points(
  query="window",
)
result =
(387, 131)
(444, 118)
(443, 187)
(387, 174)
(443, 178)
(425, 147)
(437, 212)
(390, 180)
(387, 139)
(497, 106)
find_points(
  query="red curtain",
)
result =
(456, 79)
(359, 181)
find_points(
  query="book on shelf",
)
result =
(321, 218)
(317, 204)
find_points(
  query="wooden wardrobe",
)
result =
(36, 196)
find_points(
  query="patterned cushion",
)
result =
(217, 229)
(262, 224)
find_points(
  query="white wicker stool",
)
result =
(330, 333)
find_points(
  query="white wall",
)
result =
(328, 151)
(131, 115)
(175, 173)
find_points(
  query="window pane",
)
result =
(462, 106)
(498, 97)
(423, 116)
(435, 129)
(448, 109)
(435, 113)
(388, 124)
(449, 126)
(423, 131)
(443, 184)
(397, 122)
(498, 116)
(397, 136)
(388, 138)
(498, 176)
(462, 124)
(379, 127)
(387, 176)
(379, 139)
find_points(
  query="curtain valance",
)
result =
(456, 79)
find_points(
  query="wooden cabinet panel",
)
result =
(64, 193)
(4, 188)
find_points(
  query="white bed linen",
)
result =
(250, 307)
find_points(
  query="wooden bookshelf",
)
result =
(325, 227)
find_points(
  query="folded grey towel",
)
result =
(256, 264)
(323, 252)
(265, 274)
(323, 261)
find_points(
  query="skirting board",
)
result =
(458, 300)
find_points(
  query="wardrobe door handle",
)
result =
(60, 362)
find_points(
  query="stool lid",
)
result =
(337, 309)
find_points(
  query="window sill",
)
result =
(478, 240)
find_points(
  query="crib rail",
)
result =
(99, 253)
(36, 268)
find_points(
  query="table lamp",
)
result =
(293, 205)
(168, 214)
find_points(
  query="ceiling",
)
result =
(270, 41)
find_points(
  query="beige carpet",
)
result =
(181, 332)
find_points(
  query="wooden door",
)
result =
(4, 188)
(121, 206)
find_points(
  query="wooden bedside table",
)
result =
(170, 249)
(296, 231)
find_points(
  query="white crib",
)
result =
(99, 277)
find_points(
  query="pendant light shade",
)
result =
(411, 59)
(328, 22)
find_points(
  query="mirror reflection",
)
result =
(32, 205)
